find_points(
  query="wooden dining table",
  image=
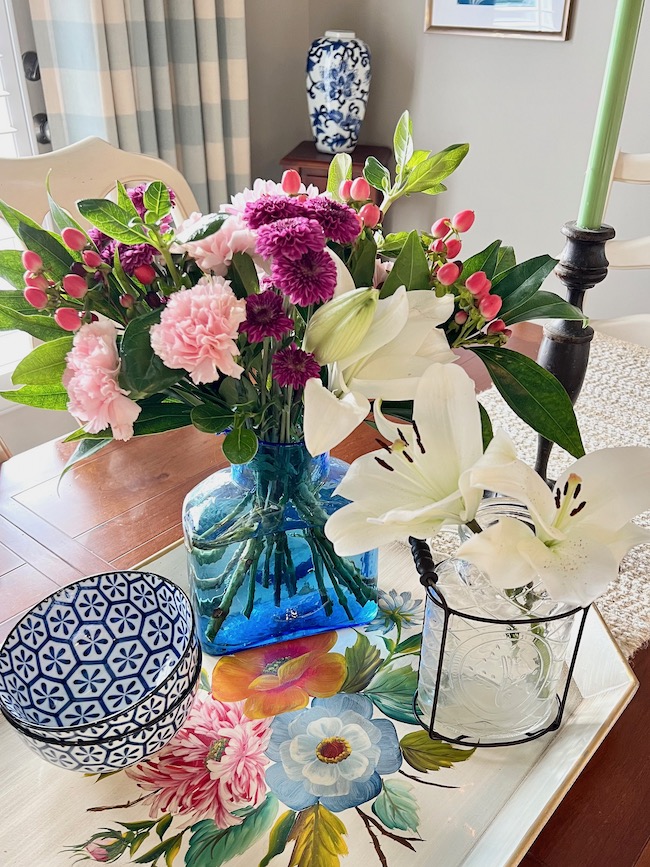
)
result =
(123, 505)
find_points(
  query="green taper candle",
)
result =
(610, 112)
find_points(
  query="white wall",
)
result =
(527, 107)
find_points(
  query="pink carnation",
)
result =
(212, 767)
(215, 252)
(262, 188)
(198, 329)
(90, 377)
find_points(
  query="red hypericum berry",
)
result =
(291, 182)
(489, 306)
(360, 190)
(453, 247)
(496, 327)
(146, 274)
(344, 190)
(67, 318)
(478, 283)
(153, 300)
(74, 286)
(440, 228)
(74, 238)
(462, 221)
(438, 246)
(36, 280)
(448, 273)
(31, 261)
(127, 301)
(370, 214)
(461, 317)
(36, 297)
(91, 258)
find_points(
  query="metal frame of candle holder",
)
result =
(428, 578)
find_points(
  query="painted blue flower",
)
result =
(396, 608)
(333, 753)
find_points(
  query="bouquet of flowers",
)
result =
(277, 320)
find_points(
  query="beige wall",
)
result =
(526, 106)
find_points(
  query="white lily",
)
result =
(421, 482)
(402, 341)
(582, 529)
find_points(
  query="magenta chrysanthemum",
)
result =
(293, 366)
(291, 238)
(339, 222)
(213, 768)
(308, 280)
(268, 209)
(135, 255)
(105, 245)
(265, 317)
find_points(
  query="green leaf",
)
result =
(15, 300)
(163, 825)
(209, 418)
(85, 449)
(425, 754)
(392, 690)
(340, 170)
(376, 174)
(205, 681)
(396, 805)
(486, 260)
(279, 836)
(12, 270)
(412, 644)
(240, 446)
(517, 284)
(112, 220)
(417, 158)
(411, 268)
(14, 218)
(161, 417)
(402, 409)
(124, 200)
(505, 260)
(486, 427)
(319, 838)
(156, 199)
(362, 660)
(206, 226)
(393, 243)
(211, 846)
(537, 397)
(362, 261)
(44, 365)
(434, 169)
(542, 305)
(402, 144)
(42, 396)
(243, 275)
(56, 258)
(39, 326)
(60, 217)
(142, 372)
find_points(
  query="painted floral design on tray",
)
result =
(288, 746)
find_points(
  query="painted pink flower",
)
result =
(90, 377)
(198, 329)
(212, 767)
(215, 252)
(261, 188)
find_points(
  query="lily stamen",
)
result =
(418, 438)
(408, 457)
(382, 463)
(577, 509)
(572, 488)
(402, 437)
(383, 445)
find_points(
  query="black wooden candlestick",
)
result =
(564, 350)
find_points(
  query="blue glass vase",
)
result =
(260, 567)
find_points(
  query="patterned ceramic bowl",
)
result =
(104, 658)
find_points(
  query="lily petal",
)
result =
(495, 552)
(328, 420)
(344, 281)
(391, 315)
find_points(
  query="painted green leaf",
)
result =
(537, 397)
(212, 419)
(362, 660)
(211, 846)
(39, 326)
(376, 174)
(163, 824)
(279, 836)
(240, 446)
(425, 754)
(362, 262)
(542, 305)
(44, 365)
(412, 644)
(487, 432)
(114, 221)
(402, 142)
(12, 270)
(340, 170)
(56, 257)
(172, 844)
(518, 284)
(142, 372)
(205, 680)
(156, 199)
(396, 805)
(486, 260)
(392, 690)
(319, 838)
(243, 275)
(42, 396)
(411, 268)
(430, 172)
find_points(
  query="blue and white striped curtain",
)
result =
(161, 77)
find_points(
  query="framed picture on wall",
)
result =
(532, 19)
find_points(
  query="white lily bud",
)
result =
(338, 327)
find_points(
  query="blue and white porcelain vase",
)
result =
(338, 82)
